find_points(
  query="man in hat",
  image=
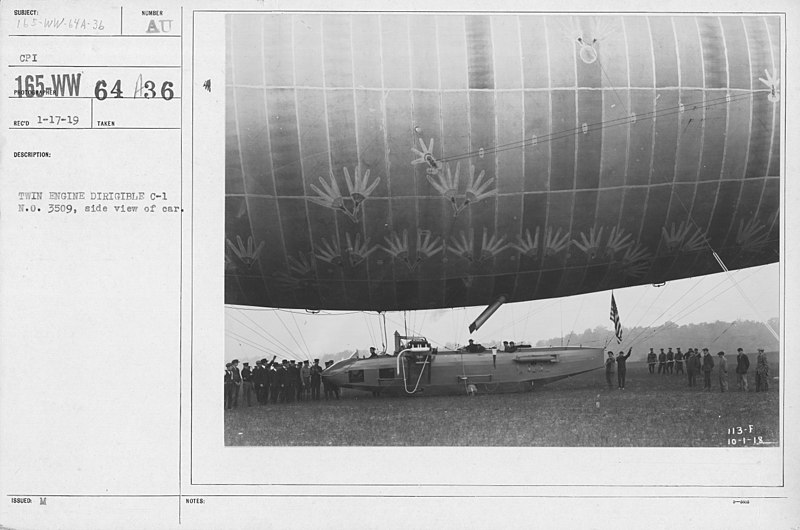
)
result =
(305, 376)
(298, 381)
(662, 362)
(326, 386)
(651, 361)
(292, 375)
(621, 369)
(670, 360)
(723, 372)
(228, 386)
(237, 381)
(610, 363)
(283, 381)
(691, 373)
(762, 371)
(708, 365)
(678, 361)
(261, 381)
(247, 385)
(742, 365)
(316, 379)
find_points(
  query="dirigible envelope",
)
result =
(410, 161)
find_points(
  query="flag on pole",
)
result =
(615, 319)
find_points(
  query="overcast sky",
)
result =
(258, 332)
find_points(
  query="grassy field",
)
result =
(653, 410)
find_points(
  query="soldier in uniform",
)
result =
(257, 380)
(305, 375)
(723, 372)
(651, 361)
(298, 382)
(742, 365)
(691, 366)
(621, 369)
(247, 385)
(708, 366)
(282, 381)
(662, 362)
(290, 386)
(678, 361)
(228, 386)
(237, 381)
(610, 362)
(472, 347)
(315, 379)
(762, 371)
(670, 360)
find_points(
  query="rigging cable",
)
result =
(274, 341)
(290, 333)
(308, 351)
(572, 333)
(683, 314)
(250, 343)
(741, 292)
(263, 334)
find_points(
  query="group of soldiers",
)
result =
(703, 364)
(273, 382)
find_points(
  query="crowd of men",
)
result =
(697, 364)
(273, 382)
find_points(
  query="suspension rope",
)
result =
(741, 292)
(266, 336)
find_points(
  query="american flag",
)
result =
(615, 319)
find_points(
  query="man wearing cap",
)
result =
(282, 381)
(237, 381)
(326, 386)
(298, 381)
(261, 381)
(228, 385)
(316, 379)
(662, 362)
(723, 372)
(305, 376)
(651, 361)
(292, 375)
(742, 365)
(621, 369)
(696, 363)
(247, 385)
(691, 373)
(474, 348)
(762, 371)
(708, 365)
(678, 361)
(670, 360)
(610, 362)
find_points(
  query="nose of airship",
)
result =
(336, 374)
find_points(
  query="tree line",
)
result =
(716, 336)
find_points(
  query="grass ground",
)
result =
(653, 410)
